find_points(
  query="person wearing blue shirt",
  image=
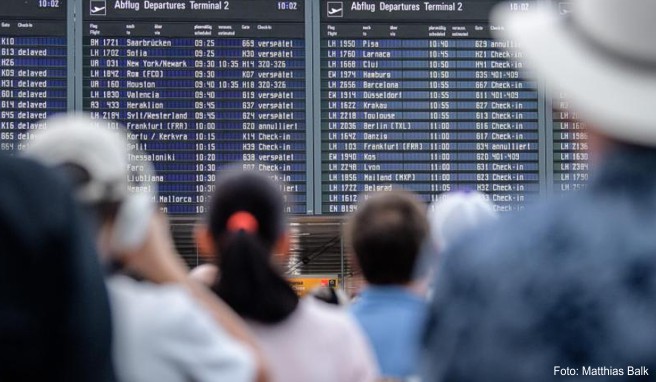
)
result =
(387, 233)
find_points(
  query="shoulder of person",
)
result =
(28, 186)
(167, 306)
(357, 354)
(180, 329)
(169, 313)
(17, 167)
(33, 179)
(518, 235)
(329, 317)
(205, 274)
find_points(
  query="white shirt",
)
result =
(317, 343)
(162, 335)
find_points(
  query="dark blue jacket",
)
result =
(570, 284)
(54, 310)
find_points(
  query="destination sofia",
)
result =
(404, 7)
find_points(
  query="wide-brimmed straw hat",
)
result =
(602, 54)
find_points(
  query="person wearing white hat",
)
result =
(567, 289)
(451, 218)
(456, 214)
(164, 329)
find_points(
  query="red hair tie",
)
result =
(242, 221)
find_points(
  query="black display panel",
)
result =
(570, 138)
(406, 93)
(417, 94)
(200, 85)
(33, 67)
(570, 147)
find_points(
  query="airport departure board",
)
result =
(570, 150)
(33, 67)
(200, 85)
(570, 165)
(418, 94)
(336, 97)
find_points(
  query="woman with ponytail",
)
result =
(302, 340)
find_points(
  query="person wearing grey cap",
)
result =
(165, 328)
(456, 214)
(567, 290)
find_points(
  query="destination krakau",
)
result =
(155, 5)
(421, 6)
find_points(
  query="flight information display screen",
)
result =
(336, 98)
(570, 166)
(199, 85)
(418, 94)
(33, 67)
(570, 147)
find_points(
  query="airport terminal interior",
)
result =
(335, 98)
(327, 190)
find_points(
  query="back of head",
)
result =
(246, 221)
(96, 159)
(456, 214)
(387, 233)
(96, 156)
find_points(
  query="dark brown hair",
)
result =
(248, 281)
(386, 234)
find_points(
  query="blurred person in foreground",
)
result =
(455, 215)
(571, 284)
(387, 234)
(303, 340)
(54, 311)
(163, 330)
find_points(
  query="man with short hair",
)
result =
(387, 233)
(567, 290)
